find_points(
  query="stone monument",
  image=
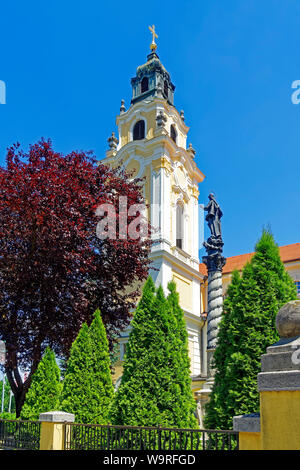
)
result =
(214, 262)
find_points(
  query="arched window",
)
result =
(179, 226)
(173, 133)
(139, 130)
(166, 89)
(144, 85)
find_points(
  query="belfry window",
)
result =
(173, 133)
(166, 89)
(139, 130)
(144, 85)
(179, 226)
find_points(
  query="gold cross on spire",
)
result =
(153, 45)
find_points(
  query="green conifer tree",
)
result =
(182, 367)
(153, 390)
(102, 385)
(44, 392)
(87, 388)
(247, 328)
(76, 394)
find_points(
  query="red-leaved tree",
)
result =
(54, 270)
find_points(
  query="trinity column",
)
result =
(214, 262)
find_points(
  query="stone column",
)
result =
(214, 262)
(215, 307)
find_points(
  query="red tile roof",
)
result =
(288, 253)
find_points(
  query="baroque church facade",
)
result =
(152, 143)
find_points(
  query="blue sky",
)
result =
(68, 64)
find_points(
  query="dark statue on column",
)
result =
(214, 244)
(213, 217)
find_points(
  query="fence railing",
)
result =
(18, 434)
(107, 437)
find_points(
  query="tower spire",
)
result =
(152, 79)
(153, 45)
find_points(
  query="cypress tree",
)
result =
(102, 387)
(247, 328)
(76, 394)
(153, 387)
(44, 392)
(185, 401)
(87, 388)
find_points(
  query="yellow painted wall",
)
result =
(249, 441)
(52, 436)
(196, 386)
(184, 288)
(280, 420)
(203, 298)
(126, 127)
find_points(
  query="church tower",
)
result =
(152, 142)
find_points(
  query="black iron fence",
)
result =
(18, 434)
(107, 437)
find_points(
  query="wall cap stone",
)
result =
(278, 381)
(247, 423)
(281, 361)
(57, 417)
(284, 345)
